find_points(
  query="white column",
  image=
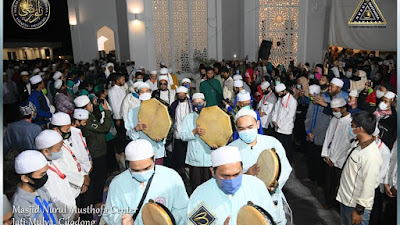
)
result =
(214, 29)
(250, 33)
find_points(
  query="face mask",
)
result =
(187, 86)
(90, 88)
(349, 74)
(142, 176)
(198, 108)
(33, 118)
(39, 182)
(337, 114)
(65, 135)
(248, 136)
(246, 107)
(298, 86)
(312, 76)
(145, 96)
(379, 94)
(229, 187)
(54, 155)
(352, 134)
(351, 103)
(141, 80)
(182, 99)
(277, 82)
(383, 106)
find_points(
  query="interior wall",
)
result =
(232, 29)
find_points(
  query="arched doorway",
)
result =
(105, 39)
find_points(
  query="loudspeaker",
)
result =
(47, 52)
(265, 49)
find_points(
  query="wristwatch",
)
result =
(359, 209)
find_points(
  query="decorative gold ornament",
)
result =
(367, 13)
(30, 14)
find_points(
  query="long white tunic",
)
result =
(266, 105)
(115, 96)
(284, 114)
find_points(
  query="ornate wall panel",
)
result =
(278, 22)
(187, 43)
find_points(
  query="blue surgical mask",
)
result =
(249, 135)
(139, 80)
(33, 118)
(298, 86)
(187, 86)
(312, 76)
(198, 108)
(246, 107)
(352, 134)
(142, 176)
(229, 187)
(277, 82)
(54, 155)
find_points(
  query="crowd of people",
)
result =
(69, 127)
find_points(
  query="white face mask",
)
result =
(383, 106)
(145, 96)
(379, 94)
(337, 114)
(349, 74)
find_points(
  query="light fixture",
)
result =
(135, 16)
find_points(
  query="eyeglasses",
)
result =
(163, 83)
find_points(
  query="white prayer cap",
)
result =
(143, 85)
(238, 83)
(110, 64)
(136, 84)
(163, 63)
(27, 108)
(362, 74)
(153, 72)
(243, 96)
(141, 67)
(29, 161)
(376, 132)
(138, 71)
(390, 95)
(57, 84)
(338, 82)
(182, 89)
(45, 69)
(225, 155)
(60, 119)
(164, 71)
(139, 150)
(314, 89)
(81, 114)
(16, 67)
(237, 77)
(338, 102)
(47, 138)
(92, 68)
(36, 70)
(354, 93)
(57, 75)
(24, 73)
(103, 66)
(245, 112)
(265, 85)
(335, 71)
(280, 87)
(81, 101)
(186, 80)
(6, 206)
(198, 96)
(36, 79)
(163, 77)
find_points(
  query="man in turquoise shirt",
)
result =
(251, 145)
(198, 154)
(211, 88)
(219, 200)
(126, 189)
(134, 128)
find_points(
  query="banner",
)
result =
(363, 24)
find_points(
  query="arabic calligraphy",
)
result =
(31, 14)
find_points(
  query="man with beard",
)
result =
(179, 109)
(227, 86)
(265, 108)
(334, 91)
